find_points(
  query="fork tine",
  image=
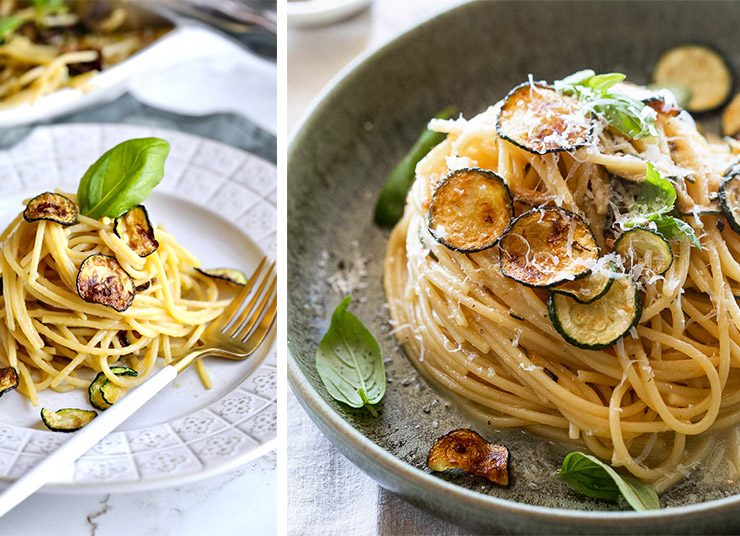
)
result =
(250, 322)
(233, 325)
(233, 308)
(254, 340)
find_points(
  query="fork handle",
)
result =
(84, 439)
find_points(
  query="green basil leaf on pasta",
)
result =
(657, 195)
(593, 478)
(350, 362)
(675, 229)
(9, 24)
(122, 178)
(392, 198)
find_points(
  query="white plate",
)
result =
(219, 202)
(318, 12)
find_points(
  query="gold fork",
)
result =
(236, 334)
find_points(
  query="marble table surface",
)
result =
(235, 503)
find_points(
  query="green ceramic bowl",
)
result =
(338, 159)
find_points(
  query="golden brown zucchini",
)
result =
(470, 210)
(67, 419)
(702, 70)
(540, 119)
(229, 275)
(51, 207)
(589, 288)
(103, 280)
(136, 230)
(546, 247)
(731, 118)
(467, 450)
(8, 379)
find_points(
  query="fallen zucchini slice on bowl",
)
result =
(532, 117)
(703, 71)
(103, 280)
(644, 247)
(51, 207)
(590, 288)
(136, 230)
(8, 379)
(546, 247)
(103, 393)
(229, 275)
(470, 210)
(601, 323)
(729, 197)
(67, 419)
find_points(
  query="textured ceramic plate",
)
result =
(219, 202)
(338, 159)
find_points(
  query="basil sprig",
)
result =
(654, 204)
(629, 116)
(349, 361)
(122, 178)
(392, 198)
(593, 478)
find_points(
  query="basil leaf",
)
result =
(630, 117)
(122, 178)
(593, 478)
(657, 195)
(675, 229)
(8, 25)
(349, 361)
(392, 198)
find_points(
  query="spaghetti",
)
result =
(56, 340)
(651, 401)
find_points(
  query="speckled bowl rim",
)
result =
(321, 412)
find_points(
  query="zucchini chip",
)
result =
(8, 379)
(103, 280)
(731, 118)
(470, 210)
(645, 247)
(51, 207)
(590, 288)
(67, 419)
(103, 393)
(136, 230)
(467, 450)
(539, 119)
(599, 324)
(546, 247)
(703, 71)
(729, 197)
(230, 275)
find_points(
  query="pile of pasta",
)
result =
(656, 400)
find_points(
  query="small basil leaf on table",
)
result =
(122, 178)
(349, 361)
(392, 198)
(593, 478)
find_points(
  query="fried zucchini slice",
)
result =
(136, 230)
(599, 324)
(731, 118)
(103, 280)
(540, 119)
(467, 450)
(8, 379)
(590, 288)
(67, 419)
(51, 207)
(702, 70)
(230, 275)
(645, 247)
(729, 197)
(470, 210)
(103, 393)
(546, 247)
